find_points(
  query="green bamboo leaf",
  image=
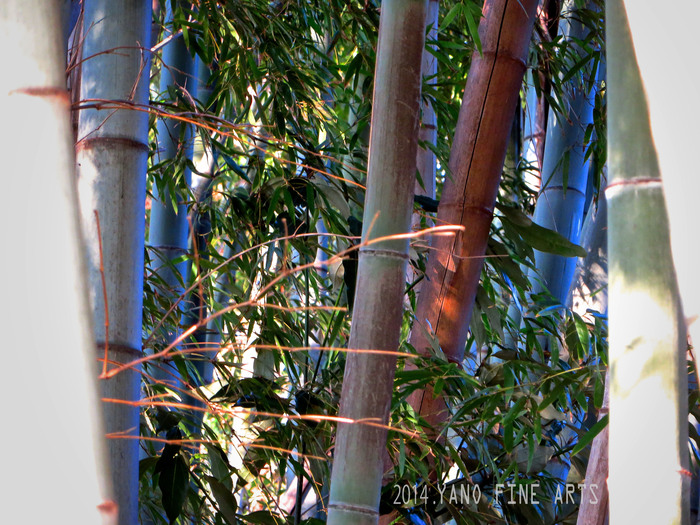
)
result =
(147, 464)
(537, 421)
(530, 451)
(588, 436)
(406, 376)
(566, 164)
(333, 196)
(531, 458)
(452, 45)
(225, 500)
(598, 391)
(508, 383)
(582, 331)
(288, 202)
(540, 238)
(488, 307)
(219, 464)
(552, 396)
(170, 449)
(514, 411)
(515, 216)
(439, 385)
(451, 15)
(434, 343)
(573, 342)
(504, 262)
(353, 68)
(173, 483)
(576, 68)
(473, 17)
(492, 374)
(549, 241)
(454, 454)
(508, 436)
(506, 355)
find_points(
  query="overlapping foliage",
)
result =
(285, 114)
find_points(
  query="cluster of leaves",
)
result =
(514, 410)
(283, 109)
(568, 66)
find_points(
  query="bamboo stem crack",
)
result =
(499, 55)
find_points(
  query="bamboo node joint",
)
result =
(87, 143)
(358, 509)
(118, 349)
(632, 184)
(392, 254)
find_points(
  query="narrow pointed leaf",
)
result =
(225, 500)
(173, 482)
(588, 436)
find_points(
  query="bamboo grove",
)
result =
(348, 262)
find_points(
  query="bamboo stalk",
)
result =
(648, 431)
(368, 382)
(168, 232)
(111, 153)
(426, 161)
(589, 292)
(595, 496)
(670, 84)
(561, 200)
(468, 197)
(53, 428)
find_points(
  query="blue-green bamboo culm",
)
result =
(196, 306)
(111, 155)
(168, 232)
(562, 198)
(565, 168)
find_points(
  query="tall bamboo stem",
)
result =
(648, 450)
(468, 197)
(112, 152)
(377, 316)
(670, 84)
(53, 430)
